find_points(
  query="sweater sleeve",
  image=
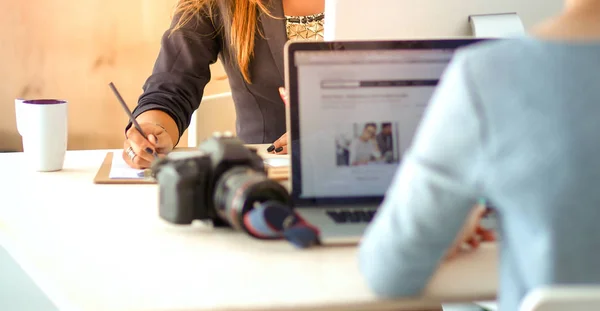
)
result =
(181, 70)
(431, 195)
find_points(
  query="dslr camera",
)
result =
(220, 181)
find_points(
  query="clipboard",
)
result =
(103, 174)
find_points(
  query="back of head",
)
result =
(580, 21)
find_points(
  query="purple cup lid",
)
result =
(44, 101)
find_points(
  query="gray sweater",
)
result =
(517, 122)
(182, 70)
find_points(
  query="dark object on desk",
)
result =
(220, 182)
(351, 216)
(274, 220)
(271, 148)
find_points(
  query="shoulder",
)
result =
(495, 65)
(207, 16)
(494, 53)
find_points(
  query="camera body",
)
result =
(220, 182)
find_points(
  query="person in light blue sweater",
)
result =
(517, 122)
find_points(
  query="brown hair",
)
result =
(242, 15)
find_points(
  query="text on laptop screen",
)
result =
(358, 112)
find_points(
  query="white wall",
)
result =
(407, 19)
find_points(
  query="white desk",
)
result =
(103, 247)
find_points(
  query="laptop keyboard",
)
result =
(351, 216)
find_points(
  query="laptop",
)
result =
(354, 108)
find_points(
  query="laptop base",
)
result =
(338, 226)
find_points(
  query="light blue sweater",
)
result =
(517, 122)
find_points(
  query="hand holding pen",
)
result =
(280, 145)
(145, 141)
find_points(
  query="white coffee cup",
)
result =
(42, 124)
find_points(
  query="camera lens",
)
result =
(239, 188)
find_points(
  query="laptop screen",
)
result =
(356, 114)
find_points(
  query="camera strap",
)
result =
(274, 220)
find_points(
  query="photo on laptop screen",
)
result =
(367, 143)
(354, 109)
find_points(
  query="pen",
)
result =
(131, 118)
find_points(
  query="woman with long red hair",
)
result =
(248, 36)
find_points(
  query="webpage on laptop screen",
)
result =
(358, 113)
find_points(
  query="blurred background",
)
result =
(71, 50)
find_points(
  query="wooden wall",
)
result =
(71, 50)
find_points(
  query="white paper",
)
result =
(488, 305)
(120, 170)
(497, 25)
(277, 162)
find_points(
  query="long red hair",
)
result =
(242, 15)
